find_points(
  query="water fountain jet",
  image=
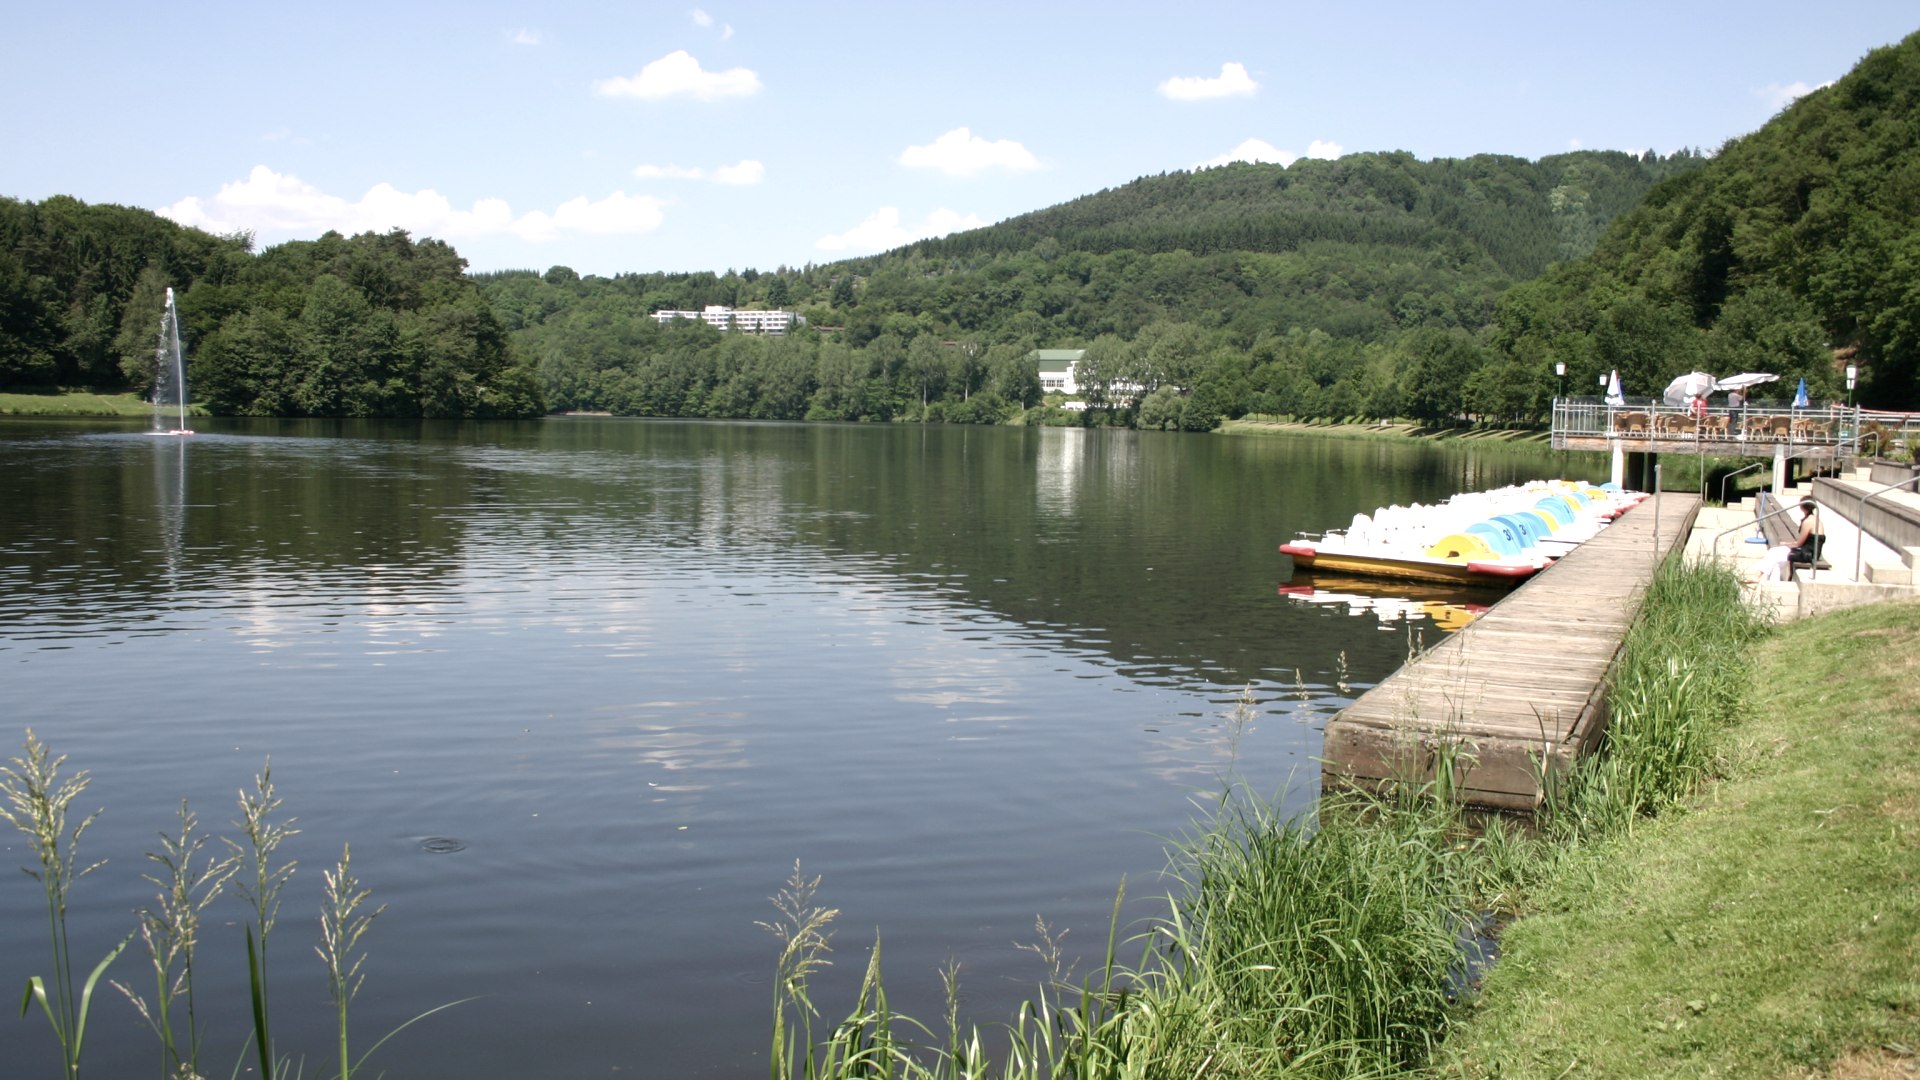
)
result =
(169, 373)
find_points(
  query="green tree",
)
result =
(1434, 386)
(926, 366)
(137, 344)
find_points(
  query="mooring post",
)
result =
(1656, 512)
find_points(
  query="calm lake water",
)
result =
(580, 692)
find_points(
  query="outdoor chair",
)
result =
(1813, 430)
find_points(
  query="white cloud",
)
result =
(741, 175)
(883, 230)
(667, 172)
(280, 205)
(962, 153)
(700, 18)
(678, 74)
(1262, 151)
(616, 214)
(1257, 150)
(524, 36)
(726, 32)
(1573, 144)
(1779, 97)
(1233, 81)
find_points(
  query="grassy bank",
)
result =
(80, 403)
(1729, 890)
(1771, 929)
(1681, 472)
(1377, 429)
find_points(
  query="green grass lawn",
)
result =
(79, 403)
(1772, 929)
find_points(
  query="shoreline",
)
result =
(1379, 429)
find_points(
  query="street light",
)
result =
(1852, 422)
(1560, 369)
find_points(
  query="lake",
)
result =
(580, 693)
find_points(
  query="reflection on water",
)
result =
(1395, 604)
(581, 692)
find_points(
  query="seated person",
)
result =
(1805, 549)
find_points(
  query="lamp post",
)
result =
(1560, 370)
(1852, 423)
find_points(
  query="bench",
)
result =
(1780, 529)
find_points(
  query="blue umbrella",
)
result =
(1800, 395)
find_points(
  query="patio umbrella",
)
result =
(1744, 380)
(1800, 395)
(1687, 387)
(1614, 396)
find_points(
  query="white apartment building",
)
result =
(724, 318)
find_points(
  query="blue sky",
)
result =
(616, 137)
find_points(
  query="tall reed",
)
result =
(804, 942)
(1681, 678)
(1322, 946)
(189, 882)
(36, 801)
(342, 923)
(260, 882)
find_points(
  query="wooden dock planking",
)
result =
(1522, 691)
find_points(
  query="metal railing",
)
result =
(1734, 473)
(1859, 550)
(1826, 425)
(1758, 518)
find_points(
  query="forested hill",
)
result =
(1795, 248)
(1521, 215)
(372, 325)
(1324, 288)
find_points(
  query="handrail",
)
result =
(1879, 440)
(1859, 550)
(1715, 546)
(1734, 473)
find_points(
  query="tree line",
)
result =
(371, 325)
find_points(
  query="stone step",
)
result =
(1890, 573)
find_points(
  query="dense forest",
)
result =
(1795, 245)
(1326, 288)
(1375, 285)
(375, 325)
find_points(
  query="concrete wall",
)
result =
(1895, 524)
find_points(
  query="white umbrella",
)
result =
(1614, 396)
(1744, 380)
(1687, 387)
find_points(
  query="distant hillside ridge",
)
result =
(1362, 286)
(1522, 214)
